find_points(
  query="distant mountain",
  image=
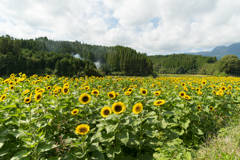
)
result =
(220, 51)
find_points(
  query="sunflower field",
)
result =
(110, 117)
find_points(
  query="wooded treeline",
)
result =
(117, 59)
(180, 63)
(196, 64)
(43, 56)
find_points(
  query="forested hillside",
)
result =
(47, 56)
(123, 60)
(196, 64)
(180, 63)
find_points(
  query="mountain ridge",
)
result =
(220, 51)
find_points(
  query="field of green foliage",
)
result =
(111, 117)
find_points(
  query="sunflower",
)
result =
(26, 91)
(137, 108)
(38, 97)
(127, 93)
(229, 87)
(105, 111)
(197, 89)
(111, 95)
(124, 88)
(3, 97)
(59, 90)
(199, 107)
(130, 89)
(159, 102)
(55, 91)
(11, 87)
(187, 97)
(223, 88)
(41, 91)
(65, 90)
(157, 93)
(82, 129)
(49, 87)
(118, 107)
(37, 89)
(11, 83)
(99, 87)
(117, 94)
(214, 92)
(95, 92)
(48, 76)
(211, 108)
(182, 94)
(86, 88)
(143, 91)
(183, 84)
(108, 84)
(74, 112)
(204, 82)
(199, 93)
(66, 85)
(85, 98)
(27, 100)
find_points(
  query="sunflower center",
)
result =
(118, 108)
(106, 112)
(95, 92)
(65, 90)
(83, 130)
(182, 94)
(85, 99)
(137, 109)
(159, 102)
(111, 95)
(144, 92)
(39, 96)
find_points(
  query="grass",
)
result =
(226, 145)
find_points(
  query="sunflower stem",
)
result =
(57, 108)
(117, 129)
(141, 135)
(83, 146)
(20, 111)
(84, 111)
(30, 117)
(159, 116)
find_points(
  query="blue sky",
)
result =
(149, 26)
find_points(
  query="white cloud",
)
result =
(182, 25)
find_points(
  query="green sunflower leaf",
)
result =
(123, 137)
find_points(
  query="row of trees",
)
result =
(47, 56)
(227, 65)
(115, 59)
(14, 58)
(196, 64)
(180, 63)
